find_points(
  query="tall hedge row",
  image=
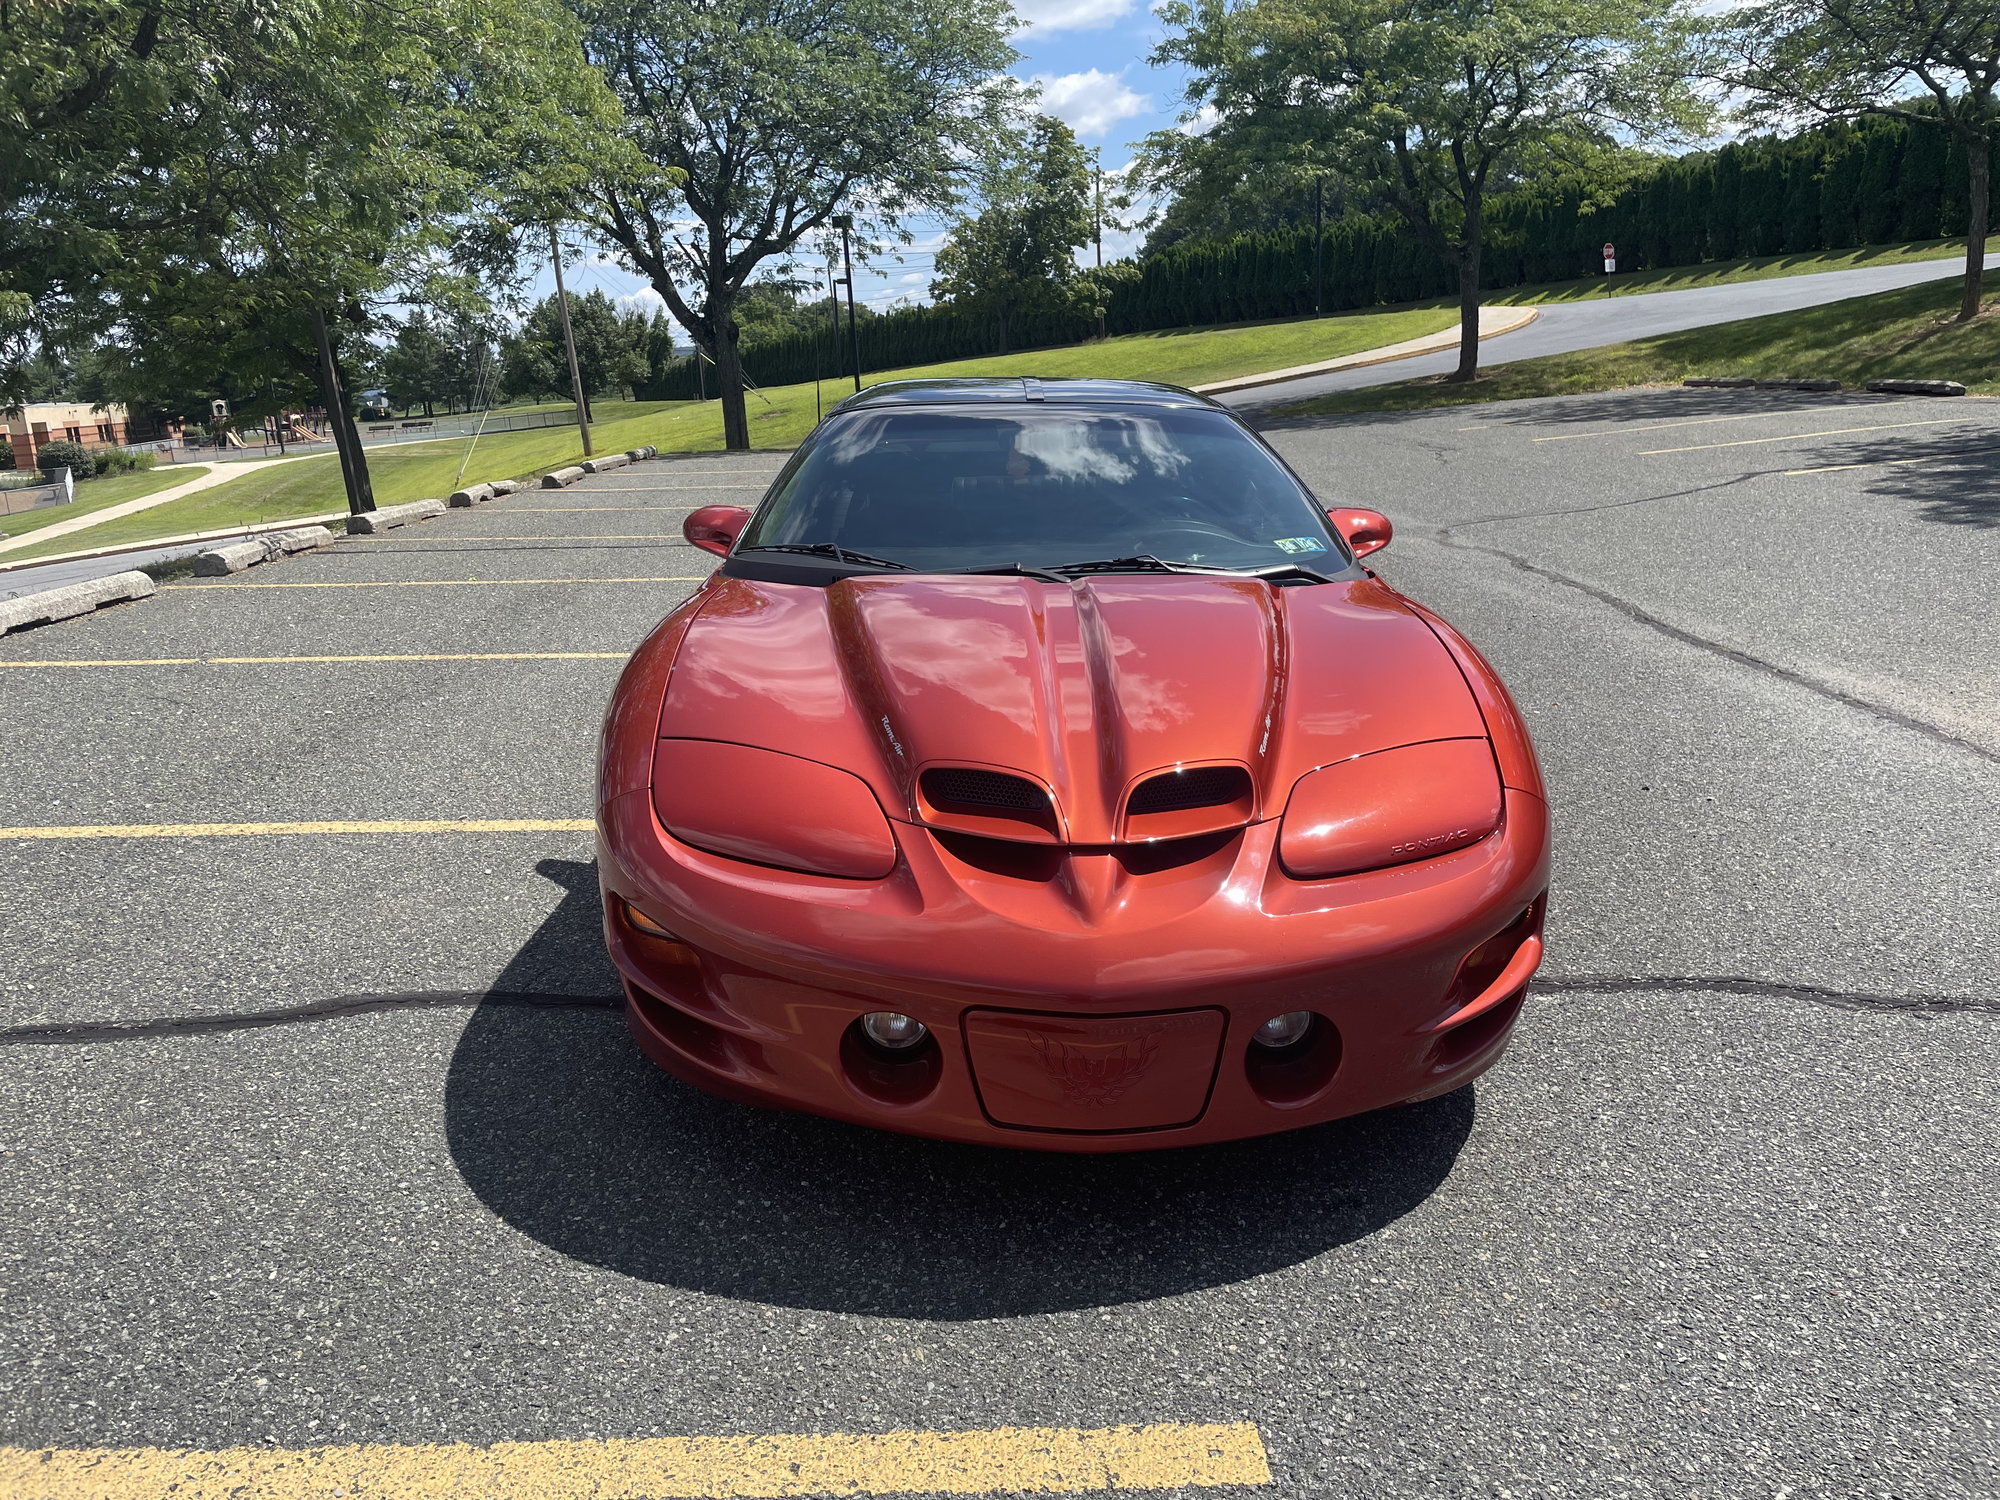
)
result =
(1832, 188)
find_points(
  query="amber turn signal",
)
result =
(638, 921)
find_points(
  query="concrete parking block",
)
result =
(607, 463)
(73, 599)
(471, 495)
(561, 477)
(1917, 387)
(218, 562)
(372, 521)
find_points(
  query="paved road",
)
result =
(1721, 1225)
(1565, 327)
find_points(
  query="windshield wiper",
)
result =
(1145, 562)
(1016, 569)
(833, 550)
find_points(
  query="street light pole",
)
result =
(569, 345)
(1319, 245)
(845, 224)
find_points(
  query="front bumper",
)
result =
(758, 999)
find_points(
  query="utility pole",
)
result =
(1319, 245)
(569, 344)
(353, 466)
(1097, 222)
(845, 224)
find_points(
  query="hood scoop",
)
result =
(989, 802)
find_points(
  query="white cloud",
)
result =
(1202, 123)
(645, 300)
(1090, 102)
(1041, 16)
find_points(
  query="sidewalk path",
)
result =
(216, 474)
(1493, 321)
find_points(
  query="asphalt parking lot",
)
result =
(325, 1137)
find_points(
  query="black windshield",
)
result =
(933, 490)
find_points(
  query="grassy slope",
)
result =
(95, 494)
(1724, 272)
(778, 419)
(1908, 333)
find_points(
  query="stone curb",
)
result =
(372, 521)
(471, 495)
(561, 477)
(72, 599)
(607, 463)
(1917, 387)
(221, 561)
(649, 451)
(1747, 383)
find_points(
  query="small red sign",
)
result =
(1610, 251)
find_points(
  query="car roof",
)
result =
(981, 390)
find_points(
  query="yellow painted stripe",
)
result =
(1755, 416)
(417, 583)
(1799, 437)
(1890, 463)
(508, 536)
(1020, 1460)
(233, 830)
(571, 510)
(259, 661)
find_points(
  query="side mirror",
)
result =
(715, 528)
(1366, 530)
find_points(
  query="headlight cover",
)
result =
(1389, 808)
(771, 809)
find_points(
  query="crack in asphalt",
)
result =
(1728, 653)
(288, 1015)
(1585, 510)
(1731, 984)
(354, 1005)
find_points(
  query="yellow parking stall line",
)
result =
(1890, 463)
(1570, 437)
(416, 583)
(564, 536)
(564, 510)
(255, 830)
(261, 661)
(1799, 437)
(1038, 1460)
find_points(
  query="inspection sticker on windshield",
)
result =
(1299, 544)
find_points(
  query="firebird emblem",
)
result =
(1096, 1075)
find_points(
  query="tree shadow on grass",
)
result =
(566, 1132)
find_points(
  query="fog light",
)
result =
(892, 1031)
(1282, 1031)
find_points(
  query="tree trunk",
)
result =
(1469, 315)
(1980, 197)
(729, 380)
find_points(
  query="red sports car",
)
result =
(1042, 768)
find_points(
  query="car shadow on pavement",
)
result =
(571, 1136)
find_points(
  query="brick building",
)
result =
(47, 422)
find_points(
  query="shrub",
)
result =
(122, 461)
(63, 454)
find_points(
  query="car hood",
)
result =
(1087, 688)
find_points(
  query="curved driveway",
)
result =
(1565, 327)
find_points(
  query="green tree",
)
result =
(611, 349)
(1017, 255)
(254, 196)
(775, 115)
(1428, 105)
(1932, 63)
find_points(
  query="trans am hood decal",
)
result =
(1085, 688)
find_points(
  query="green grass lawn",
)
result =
(1723, 272)
(96, 494)
(779, 418)
(1908, 334)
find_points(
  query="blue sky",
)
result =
(1089, 59)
